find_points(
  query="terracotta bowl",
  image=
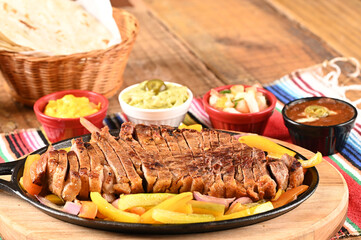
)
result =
(58, 129)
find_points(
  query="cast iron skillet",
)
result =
(15, 169)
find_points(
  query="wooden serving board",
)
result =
(319, 217)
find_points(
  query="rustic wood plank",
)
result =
(242, 41)
(313, 219)
(336, 22)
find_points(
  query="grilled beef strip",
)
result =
(149, 168)
(187, 156)
(218, 187)
(177, 168)
(72, 184)
(60, 172)
(165, 177)
(53, 161)
(238, 173)
(228, 169)
(197, 167)
(295, 169)
(108, 175)
(96, 175)
(38, 173)
(136, 185)
(266, 186)
(247, 164)
(122, 185)
(84, 166)
(172, 143)
(208, 182)
(280, 173)
(296, 175)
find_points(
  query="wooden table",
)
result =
(204, 44)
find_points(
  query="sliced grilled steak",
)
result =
(218, 188)
(96, 175)
(108, 184)
(279, 171)
(296, 175)
(122, 185)
(108, 175)
(266, 186)
(84, 166)
(148, 165)
(228, 169)
(177, 168)
(295, 169)
(60, 172)
(238, 173)
(172, 143)
(38, 173)
(198, 165)
(53, 161)
(247, 159)
(136, 185)
(164, 180)
(208, 158)
(72, 184)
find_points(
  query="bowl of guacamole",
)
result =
(156, 102)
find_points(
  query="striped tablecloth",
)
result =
(348, 162)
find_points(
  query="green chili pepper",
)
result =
(317, 111)
(225, 91)
(155, 85)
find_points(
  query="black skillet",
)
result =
(15, 169)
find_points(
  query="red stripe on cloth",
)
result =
(307, 85)
(294, 80)
(353, 212)
(22, 143)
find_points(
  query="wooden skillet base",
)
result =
(319, 217)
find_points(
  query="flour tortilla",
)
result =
(58, 27)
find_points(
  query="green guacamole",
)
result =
(141, 98)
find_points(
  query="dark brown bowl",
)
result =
(324, 139)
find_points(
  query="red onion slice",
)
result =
(205, 198)
(72, 208)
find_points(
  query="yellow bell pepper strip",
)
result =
(185, 208)
(197, 127)
(88, 210)
(313, 161)
(278, 195)
(289, 196)
(109, 211)
(28, 184)
(170, 204)
(55, 199)
(236, 207)
(142, 200)
(272, 148)
(137, 210)
(201, 207)
(263, 207)
(165, 216)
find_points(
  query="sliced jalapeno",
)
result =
(317, 111)
(155, 85)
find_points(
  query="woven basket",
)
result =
(31, 77)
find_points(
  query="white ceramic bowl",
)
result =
(167, 116)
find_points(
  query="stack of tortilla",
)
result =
(53, 27)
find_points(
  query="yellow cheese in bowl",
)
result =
(70, 106)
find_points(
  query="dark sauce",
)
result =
(343, 112)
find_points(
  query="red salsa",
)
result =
(320, 112)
